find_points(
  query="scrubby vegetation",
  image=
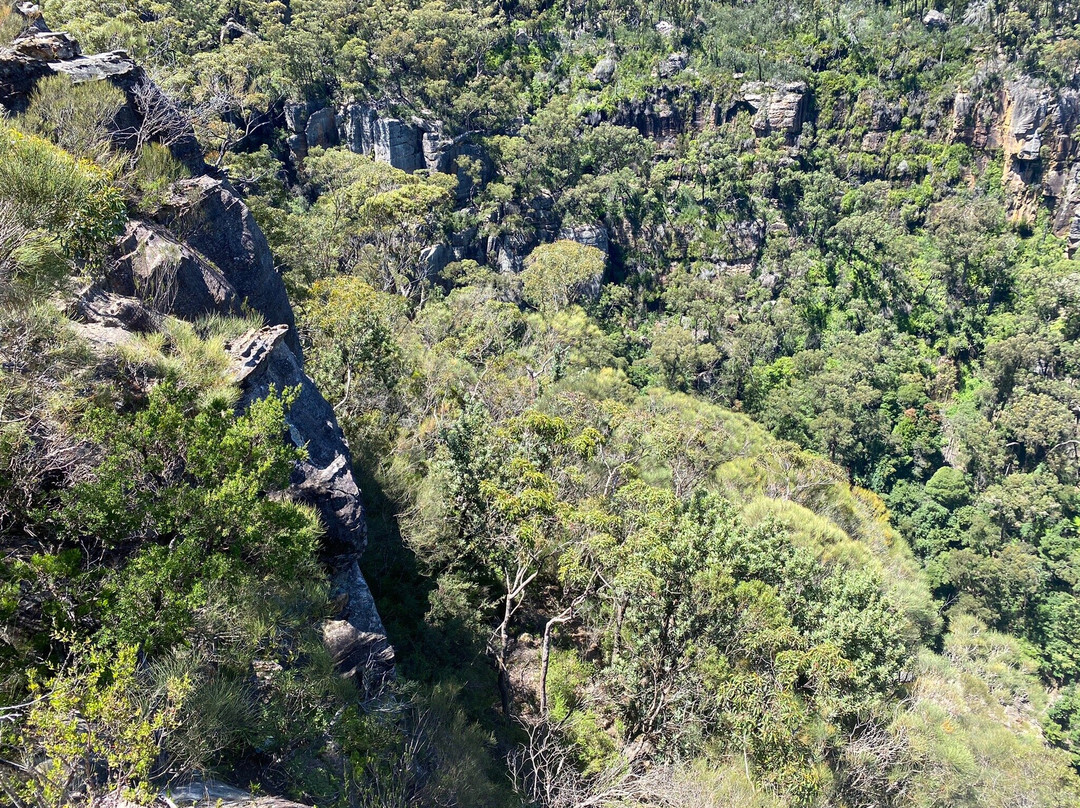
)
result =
(766, 495)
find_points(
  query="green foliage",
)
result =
(11, 25)
(93, 731)
(954, 728)
(76, 117)
(370, 220)
(155, 170)
(196, 362)
(561, 273)
(54, 210)
(948, 488)
(679, 484)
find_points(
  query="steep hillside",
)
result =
(709, 371)
(174, 484)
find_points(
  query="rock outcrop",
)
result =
(357, 642)
(321, 129)
(356, 128)
(408, 145)
(778, 109)
(209, 217)
(325, 479)
(591, 235)
(212, 794)
(310, 127)
(150, 263)
(357, 639)
(664, 114)
(39, 52)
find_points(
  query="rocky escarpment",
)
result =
(39, 52)
(410, 145)
(1039, 137)
(356, 638)
(201, 252)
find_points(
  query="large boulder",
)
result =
(208, 215)
(321, 129)
(673, 65)
(604, 70)
(43, 45)
(120, 312)
(935, 20)
(149, 263)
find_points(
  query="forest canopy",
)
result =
(708, 371)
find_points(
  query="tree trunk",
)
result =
(545, 655)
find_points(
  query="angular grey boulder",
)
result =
(209, 216)
(935, 20)
(170, 276)
(604, 70)
(321, 130)
(673, 65)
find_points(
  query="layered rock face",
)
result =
(780, 109)
(1041, 150)
(409, 145)
(399, 144)
(202, 252)
(662, 115)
